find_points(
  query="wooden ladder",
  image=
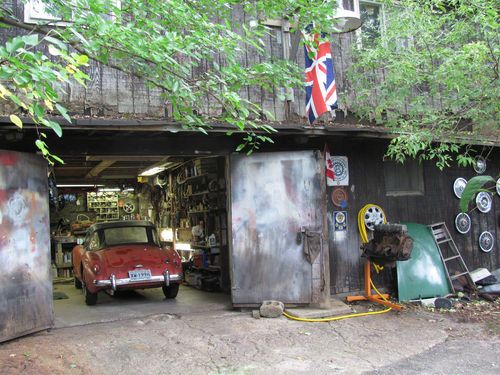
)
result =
(442, 236)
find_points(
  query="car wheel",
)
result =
(78, 283)
(90, 298)
(171, 290)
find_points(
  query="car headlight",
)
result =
(96, 268)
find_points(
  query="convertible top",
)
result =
(120, 223)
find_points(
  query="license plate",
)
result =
(138, 275)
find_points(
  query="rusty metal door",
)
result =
(25, 282)
(274, 196)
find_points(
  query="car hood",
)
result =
(132, 256)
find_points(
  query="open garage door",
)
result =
(25, 283)
(277, 225)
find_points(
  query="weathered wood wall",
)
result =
(115, 94)
(438, 204)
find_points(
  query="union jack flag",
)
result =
(321, 91)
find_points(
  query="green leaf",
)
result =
(63, 112)
(16, 121)
(240, 147)
(54, 51)
(31, 40)
(474, 185)
(82, 59)
(55, 41)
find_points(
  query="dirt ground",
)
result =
(416, 341)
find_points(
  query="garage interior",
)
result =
(176, 181)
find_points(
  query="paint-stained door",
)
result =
(273, 197)
(25, 283)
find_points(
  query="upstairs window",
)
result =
(36, 11)
(372, 19)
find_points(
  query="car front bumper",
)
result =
(114, 283)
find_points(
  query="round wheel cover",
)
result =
(339, 197)
(462, 223)
(128, 207)
(486, 241)
(480, 165)
(459, 186)
(483, 202)
(373, 216)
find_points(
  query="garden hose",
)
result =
(333, 318)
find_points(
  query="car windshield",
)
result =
(129, 235)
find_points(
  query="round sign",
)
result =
(462, 223)
(339, 169)
(459, 186)
(498, 186)
(484, 201)
(339, 197)
(486, 241)
(480, 165)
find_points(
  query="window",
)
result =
(129, 235)
(372, 19)
(403, 179)
(36, 11)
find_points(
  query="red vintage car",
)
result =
(124, 255)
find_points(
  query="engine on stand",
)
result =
(390, 243)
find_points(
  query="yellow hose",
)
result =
(332, 318)
(362, 229)
(364, 238)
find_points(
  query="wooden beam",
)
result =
(99, 168)
(125, 157)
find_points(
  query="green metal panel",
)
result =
(423, 275)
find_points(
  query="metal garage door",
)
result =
(273, 196)
(25, 283)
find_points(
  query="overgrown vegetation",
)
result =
(432, 77)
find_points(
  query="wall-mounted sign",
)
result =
(340, 220)
(341, 170)
(339, 197)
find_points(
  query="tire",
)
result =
(90, 298)
(170, 291)
(78, 283)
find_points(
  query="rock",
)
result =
(271, 309)
(256, 314)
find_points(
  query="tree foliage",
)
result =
(432, 77)
(161, 42)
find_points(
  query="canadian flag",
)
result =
(330, 175)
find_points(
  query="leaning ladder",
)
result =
(441, 236)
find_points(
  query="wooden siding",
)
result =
(438, 204)
(116, 94)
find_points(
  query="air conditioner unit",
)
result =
(347, 16)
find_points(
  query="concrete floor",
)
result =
(73, 311)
